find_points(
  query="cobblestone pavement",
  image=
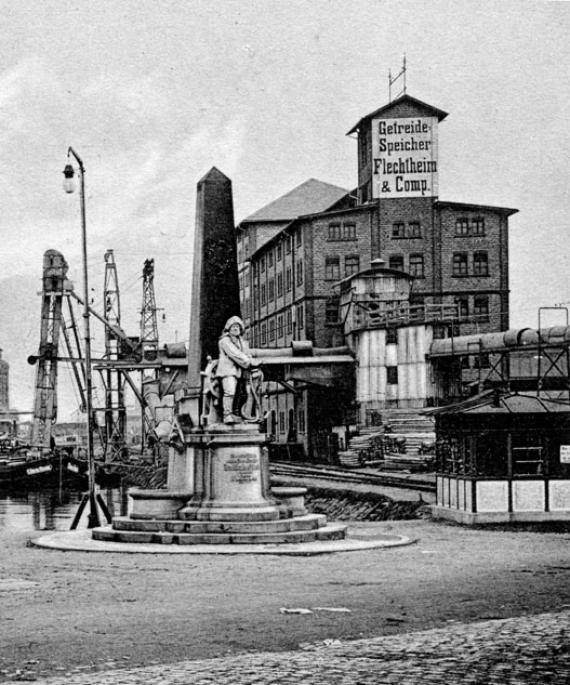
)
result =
(534, 650)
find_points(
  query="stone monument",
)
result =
(218, 487)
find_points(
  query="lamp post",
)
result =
(69, 187)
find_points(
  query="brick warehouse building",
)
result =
(293, 253)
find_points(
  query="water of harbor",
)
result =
(51, 509)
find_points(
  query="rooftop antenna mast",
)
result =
(392, 79)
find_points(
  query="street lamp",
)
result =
(69, 187)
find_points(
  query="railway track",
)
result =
(330, 473)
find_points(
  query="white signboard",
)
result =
(404, 157)
(565, 454)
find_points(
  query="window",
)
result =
(281, 421)
(460, 264)
(481, 308)
(331, 311)
(299, 238)
(349, 232)
(351, 265)
(480, 264)
(396, 262)
(462, 226)
(528, 454)
(288, 244)
(280, 326)
(478, 226)
(289, 319)
(332, 268)
(392, 375)
(414, 229)
(417, 265)
(462, 307)
(343, 231)
(299, 272)
(300, 317)
(263, 334)
(271, 329)
(278, 252)
(288, 279)
(301, 420)
(279, 285)
(263, 296)
(399, 230)
(270, 259)
(392, 336)
(262, 265)
(334, 232)
(271, 290)
(247, 307)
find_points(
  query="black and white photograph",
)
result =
(284, 342)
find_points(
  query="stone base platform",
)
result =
(308, 528)
(83, 541)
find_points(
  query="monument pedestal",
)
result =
(231, 476)
(218, 493)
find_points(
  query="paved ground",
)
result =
(534, 650)
(460, 605)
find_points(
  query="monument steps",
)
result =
(308, 522)
(328, 532)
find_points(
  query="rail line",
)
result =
(330, 473)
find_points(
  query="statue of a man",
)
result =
(234, 358)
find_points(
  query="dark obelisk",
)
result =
(215, 290)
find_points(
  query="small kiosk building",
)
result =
(503, 458)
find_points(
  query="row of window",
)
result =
(300, 421)
(480, 264)
(342, 231)
(298, 268)
(276, 254)
(480, 311)
(416, 264)
(274, 287)
(279, 325)
(412, 230)
(460, 264)
(473, 226)
(272, 427)
(463, 227)
(333, 264)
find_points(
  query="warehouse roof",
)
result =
(403, 100)
(310, 197)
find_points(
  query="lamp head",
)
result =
(68, 174)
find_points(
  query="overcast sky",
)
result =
(153, 94)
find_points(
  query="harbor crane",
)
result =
(123, 354)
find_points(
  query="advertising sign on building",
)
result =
(404, 157)
(565, 454)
